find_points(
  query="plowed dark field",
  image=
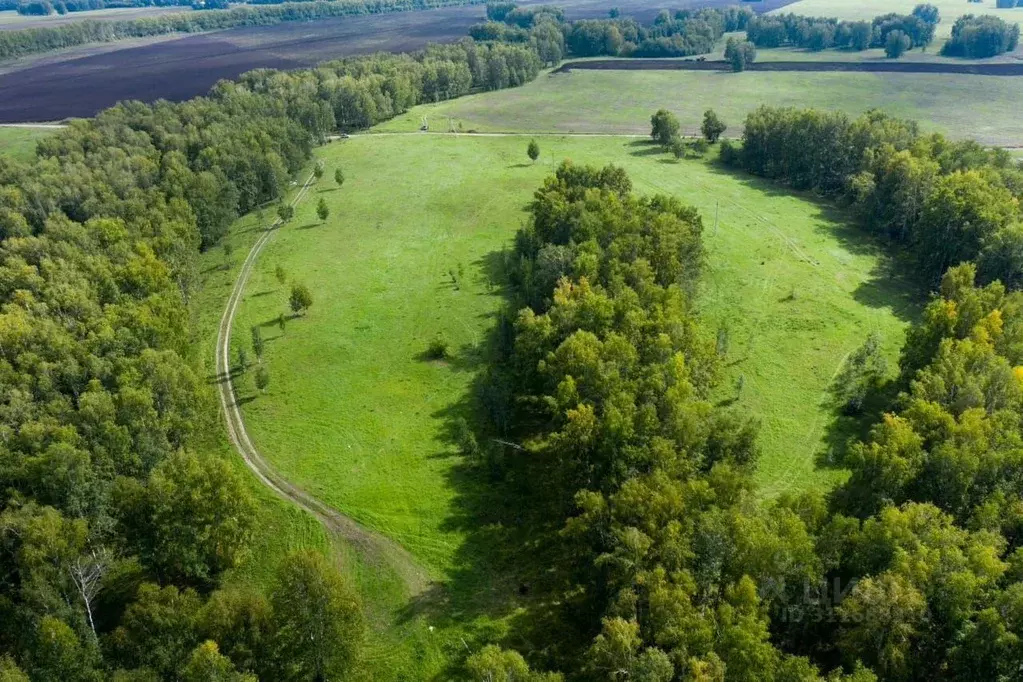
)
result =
(189, 66)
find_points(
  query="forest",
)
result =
(116, 524)
(629, 488)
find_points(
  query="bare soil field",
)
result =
(82, 85)
(999, 69)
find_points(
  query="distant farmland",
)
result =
(83, 84)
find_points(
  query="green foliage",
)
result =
(258, 344)
(712, 127)
(339, 177)
(318, 170)
(285, 212)
(58, 654)
(438, 349)
(493, 664)
(946, 201)
(322, 210)
(35, 40)
(976, 37)
(896, 44)
(821, 33)
(10, 672)
(158, 630)
(740, 54)
(192, 519)
(262, 379)
(603, 464)
(317, 621)
(862, 373)
(533, 150)
(664, 127)
(301, 299)
(207, 664)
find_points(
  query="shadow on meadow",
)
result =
(890, 283)
(495, 587)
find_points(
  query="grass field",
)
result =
(981, 107)
(20, 143)
(357, 416)
(396, 644)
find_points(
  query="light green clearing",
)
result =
(393, 648)
(20, 143)
(981, 107)
(356, 416)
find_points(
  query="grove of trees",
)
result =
(819, 33)
(672, 34)
(984, 36)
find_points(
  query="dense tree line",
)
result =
(34, 40)
(983, 36)
(818, 33)
(658, 560)
(116, 526)
(945, 201)
(678, 34)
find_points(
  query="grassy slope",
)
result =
(280, 527)
(982, 107)
(20, 143)
(356, 416)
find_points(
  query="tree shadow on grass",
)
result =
(890, 283)
(490, 593)
(309, 226)
(848, 427)
(648, 149)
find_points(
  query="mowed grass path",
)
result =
(356, 415)
(981, 107)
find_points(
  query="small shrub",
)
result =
(438, 349)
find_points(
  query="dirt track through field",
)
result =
(375, 549)
(1000, 69)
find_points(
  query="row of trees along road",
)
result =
(116, 524)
